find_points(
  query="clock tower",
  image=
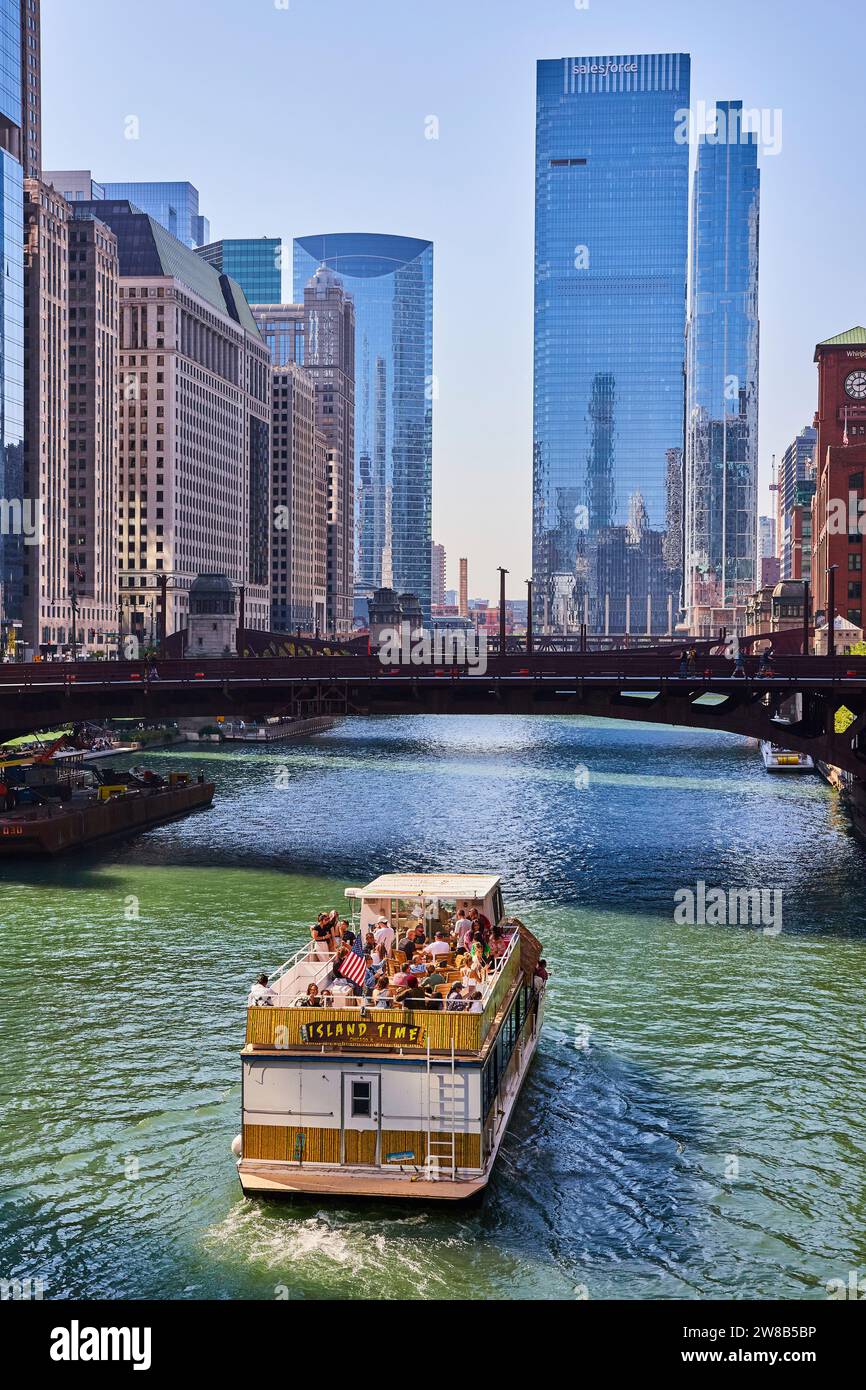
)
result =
(839, 508)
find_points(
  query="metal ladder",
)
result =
(442, 1147)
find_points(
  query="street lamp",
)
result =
(831, 609)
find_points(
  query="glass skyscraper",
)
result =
(18, 519)
(254, 262)
(722, 376)
(390, 279)
(611, 230)
(174, 205)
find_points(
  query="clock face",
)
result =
(855, 385)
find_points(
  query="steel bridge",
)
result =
(637, 685)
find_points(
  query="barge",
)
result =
(47, 808)
(369, 1096)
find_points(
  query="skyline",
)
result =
(469, 190)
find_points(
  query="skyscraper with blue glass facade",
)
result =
(17, 520)
(173, 205)
(254, 262)
(722, 371)
(390, 279)
(611, 235)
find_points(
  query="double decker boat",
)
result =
(411, 1100)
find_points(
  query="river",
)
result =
(693, 1122)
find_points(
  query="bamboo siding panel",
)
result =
(281, 1028)
(361, 1146)
(468, 1147)
(280, 1142)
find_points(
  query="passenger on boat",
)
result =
(498, 942)
(438, 946)
(385, 935)
(313, 999)
(455, 1001)
(413, 997)
(541, 976)
(260, 996)
(382, 992)
(402, 978)
(476, 1003)
(370, 977)
(321, 934)
(434, 978)
(463, 928)
(406, 944)
(478, 919)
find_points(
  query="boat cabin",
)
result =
(403, 1096)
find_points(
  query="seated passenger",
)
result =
(455, 1000)
(402, 978)
(406, 944)
(260, 996)
(313, 999)
(434, 978)
(438, 946)
(476, 1003)
(382, 993)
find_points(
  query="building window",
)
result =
(361, 1102)
(855, 562)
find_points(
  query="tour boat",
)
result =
(364, 1101)
(779, 759)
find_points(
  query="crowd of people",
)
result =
(409, 972)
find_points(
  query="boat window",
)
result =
(361, 1098)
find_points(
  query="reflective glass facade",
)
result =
(610, 311)
(12, 393)
(722, 396)
(10, 60)
(174, 205)
(254, 262)
(390, 279)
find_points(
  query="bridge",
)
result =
(638, 685)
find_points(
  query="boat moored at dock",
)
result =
(406, 1092)
(51, 805)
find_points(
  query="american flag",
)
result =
(353, 967)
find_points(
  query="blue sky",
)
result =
(312, 117)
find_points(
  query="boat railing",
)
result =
(464, 1025)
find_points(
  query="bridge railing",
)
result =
(510, 666)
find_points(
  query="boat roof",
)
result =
(431, 886)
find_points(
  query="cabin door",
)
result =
(361, 1118)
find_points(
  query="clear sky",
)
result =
(299, 116)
